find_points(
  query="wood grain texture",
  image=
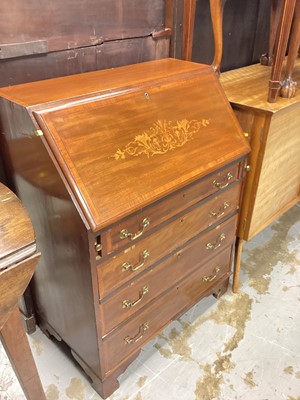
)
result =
(120, 141)
(84, 23)
(174, 302)
(13, 282)
(188, 29)
(165, 240)
(16, 231)
(179, 265)
(18, 261)
(273, 184)
(98, 130)
(248, 87)
(170, 206)
(279, 182)
(74, 61)
(41, 92)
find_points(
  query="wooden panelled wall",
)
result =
(42, 39)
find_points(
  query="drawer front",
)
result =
(126, 265)
(134, 227)
(133, 335)
(155, 281)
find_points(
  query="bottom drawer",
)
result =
(133, 335)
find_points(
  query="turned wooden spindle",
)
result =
(267, 58)
(216, 10)
(188, 29)
(283, 33)
(288, 85)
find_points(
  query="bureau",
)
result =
(132, 177)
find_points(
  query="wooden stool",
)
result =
(18, 259)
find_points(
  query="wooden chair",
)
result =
(18, 259)
(282, 14)
(216, 10)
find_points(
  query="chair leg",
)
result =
(289, 86)
(267, 58)
(280, 48)
(188, 29)
(16, 345)
(237, 264)
(216, 11)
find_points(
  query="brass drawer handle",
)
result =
(210, 278)
(133, 236)
(126, 265)
(128, 303)
(214, 246)
(140, 334)
(221, 212)
(225, 183)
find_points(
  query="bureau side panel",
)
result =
(256, 127)
(279, 182)
(62, 283)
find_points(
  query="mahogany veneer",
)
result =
(131, 175)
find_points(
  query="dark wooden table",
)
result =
(18, 260)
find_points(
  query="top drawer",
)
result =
(135, 226)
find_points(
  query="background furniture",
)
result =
(281, 17)
(18, 259)
(287, 9)
(245, 32)
(135, 203)
(273, 131)
(273, 183)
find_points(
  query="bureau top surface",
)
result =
(248, 87)
(152, 129)
(41, 92)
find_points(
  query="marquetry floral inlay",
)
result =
(162, 137)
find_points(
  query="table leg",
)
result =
(16, 345)
(188, 29)
(267, 58)
(237, 264)
(216, 11)
(288, 87)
